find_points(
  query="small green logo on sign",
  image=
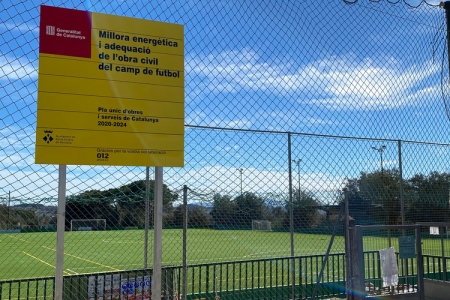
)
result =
(407, 247)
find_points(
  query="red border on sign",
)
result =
(65, 31)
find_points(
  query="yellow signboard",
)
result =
(110, 90)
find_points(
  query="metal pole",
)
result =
(402, 200)
(400, 168)
(157, 240)
(380, 150)
(327, 254)
(9, 210)
(60, 228)
(241, 170)
(147, 215)
(444, 263)
(299, 178)
(185, 227)
(291, 216)
(347, 247)
(419, 260)
(447, 18)
(381, 160)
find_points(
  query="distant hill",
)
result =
(207, 208)
(39, 209)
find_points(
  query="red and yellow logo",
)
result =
(65, 32)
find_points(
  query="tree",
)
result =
(223, 210)
(197, 216)
(362, 209)
(376, 197)
(123, 206)
(17, 217)
(4, 211)
(380, 189)
(92, 205)
(430, 198)
(248, 207)
(305, 210)
(277, 215)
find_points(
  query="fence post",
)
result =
(354, 259)
(185, 226)
(8, 223)
(147, 217)
(60, 228)
(157, 239)
(357, 251)
(444, 263)
(400, 169)
(291, 216)
(419, 260)
(348, 285)
(354, 254)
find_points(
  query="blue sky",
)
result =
(369, 70)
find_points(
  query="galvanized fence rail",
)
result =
(250, 279)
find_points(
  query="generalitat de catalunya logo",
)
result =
(50, 30)
(65, 32)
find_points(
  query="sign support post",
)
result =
(147, 215)
(60, 226)
(157, 248)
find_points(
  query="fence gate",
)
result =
(386, 263)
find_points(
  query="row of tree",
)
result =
(123, 206)
(425, 197)
(24, 217)
(240, 211)
(373, 197)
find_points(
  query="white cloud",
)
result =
(368, 84)
(226, 180)
(235, 70)
(41, 181)
(12, 68)
(344, 82)
(23, 27)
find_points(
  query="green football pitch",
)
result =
(27, 255)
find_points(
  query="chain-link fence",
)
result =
(286, 104)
